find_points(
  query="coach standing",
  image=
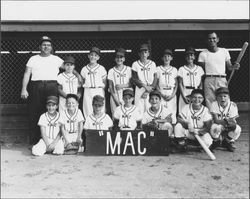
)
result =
(43, 69)
(215, 60)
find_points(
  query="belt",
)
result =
(71, 132)
(189, 87)
(93, 87)
(220, 76)
(44, 81)
(167, 88)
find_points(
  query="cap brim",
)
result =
(51, 101)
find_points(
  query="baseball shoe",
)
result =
(230, 146)
(215, 144)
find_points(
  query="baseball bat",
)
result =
(241, 54)
(206, 149)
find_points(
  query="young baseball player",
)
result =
(127, 116)
(72, 122)
(225, 130)
(157, 115)
(98, 120)
(190, 77)
(67, 83)
(167, 82)
(94, 80)
(119, 79)
(144, 77)
(51, 141)
(193, 118)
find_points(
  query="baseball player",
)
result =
(190, 77)
(51, 141)
(144, 77)
(98, 120)
(72, 122)
(225, 130)
(67, 83)
(94, 80)
(157, 116)
(119, 79)
(127, 116)
(193, 118)
(215, 60)
(167, 82)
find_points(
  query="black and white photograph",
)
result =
(124, 99)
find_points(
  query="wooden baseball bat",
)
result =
(241, 54)
(204, 146)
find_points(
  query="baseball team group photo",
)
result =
(124, 107)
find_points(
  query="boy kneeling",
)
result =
(193, 118)
(225, 129)
(157, 116)
(51, 141)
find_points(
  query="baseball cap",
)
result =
(157, 93)
(98, 99)
(45, 38)
(190, 50)
(128, 92)
(96, 50)
(69, 59)
(223, 90)
(144, 47)
(197, 91)
(168, 52)
(120, 51)
(52, 99)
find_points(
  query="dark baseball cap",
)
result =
(120, 51)
(128, 92)
(197, 91)
(168, 52)
(52, 99)
(45, 38)
(98, 99)
(96, 50)
(157, 93)
(189, 50)
(222, 90)
(144, 47)
(69, 59)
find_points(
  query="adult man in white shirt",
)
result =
(214, 60)
(43, 69)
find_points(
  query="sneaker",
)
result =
(214, 145)
(230, 146)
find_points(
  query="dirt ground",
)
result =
(190, 175)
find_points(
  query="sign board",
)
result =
(121, 143)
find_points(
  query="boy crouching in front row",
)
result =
(225, 130)
(51, 141)
(157, 116)
(193, 118)
(72, 123)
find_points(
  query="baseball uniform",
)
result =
(197, 119)
(215, 69)
(103, 122)
(69, 85)
(118, 77)
(166, 83)
(71, 123)
(93, 85)
(229, 112)
(128, 117)
(52, 128)
(146, 76)
(191, 78)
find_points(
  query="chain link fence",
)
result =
(17, 48)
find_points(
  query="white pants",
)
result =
(182, 132)
(142, 104)
(167, 126)
(216, 130)
(186, 92)
(113, 106)
(171, 105)
(89, 93)
(40, 148)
